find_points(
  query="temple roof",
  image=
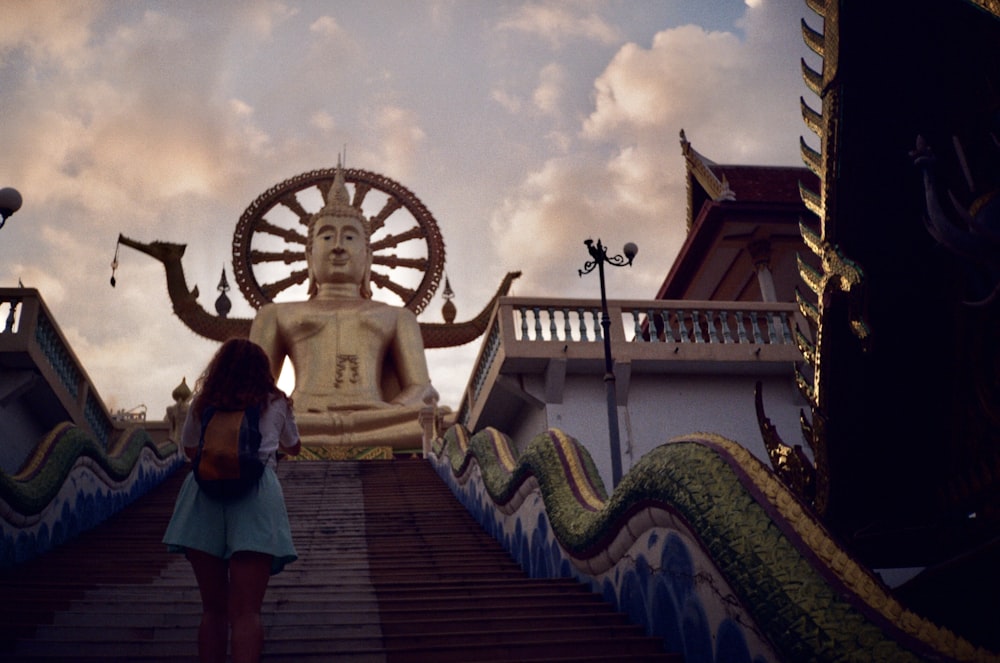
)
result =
(729, 207)
(762, 183)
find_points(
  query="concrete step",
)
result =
(391, 568)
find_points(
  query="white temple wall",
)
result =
(658, 408)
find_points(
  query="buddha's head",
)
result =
(338, 243)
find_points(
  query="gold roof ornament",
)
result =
(223, 305)
(181, 392)
(448, 310)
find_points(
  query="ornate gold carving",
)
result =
(789, 462)
(813, 39)
(992, 6)
(813, 161)
(346, 363)
(837, 272)
(310, 452)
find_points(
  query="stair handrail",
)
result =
(780, 581)
(70, 483)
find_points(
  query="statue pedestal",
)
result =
(335, 452)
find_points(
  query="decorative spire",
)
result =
(222, 305)
(339, 188)
(448, 310)
(181, 392)
(338, 200)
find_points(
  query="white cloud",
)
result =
(549, 92)
(569, 199)
(400, 137)
(327, 26)
(323, 121)
(736, 98)
(686, 72)
(264, 17)
(51, 31)
(34, 276)
(246, 135)
(640, 181)
(560, 141)
(510, 102)
(240, 108)
(559, 23)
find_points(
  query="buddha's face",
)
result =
(339, 251)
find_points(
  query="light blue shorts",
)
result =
(257, 522)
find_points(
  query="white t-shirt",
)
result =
(277, 428)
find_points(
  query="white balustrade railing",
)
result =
(28, 329)
(527, 332)
(651, 322)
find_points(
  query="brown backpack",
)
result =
(227, 465)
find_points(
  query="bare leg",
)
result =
(248, 576)
(212, 574)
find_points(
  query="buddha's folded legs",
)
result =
(398, 427)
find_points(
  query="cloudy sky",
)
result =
(524, 127)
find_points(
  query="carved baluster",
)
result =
(9, 327)
(668, 332)
(755, 325)
(696, 326)
(682, 326)
(524, 323)
(741, 329)
(637, 328)
(553, 332)
(583, 323)
(538, 323)
(567, 328)
(786, 330)
(713, 337)
(772, 334)
(598, 331)
(727, 336)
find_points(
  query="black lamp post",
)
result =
(600, 256)
(10, 202)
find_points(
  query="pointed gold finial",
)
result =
(338, 200)
(448, 310)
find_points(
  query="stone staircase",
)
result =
(391, 568)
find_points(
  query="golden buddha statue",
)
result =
(361, 377)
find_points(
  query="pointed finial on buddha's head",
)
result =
(338, 201)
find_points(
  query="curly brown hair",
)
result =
(238, 376)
